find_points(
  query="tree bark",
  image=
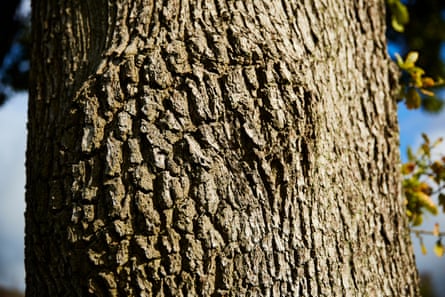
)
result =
(213, 148)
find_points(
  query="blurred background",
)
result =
(424, 33)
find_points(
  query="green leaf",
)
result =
(427, 202)
(417, 219)
(396, 25)
(408, 168)
(399, 60)
(432, 104)
(410, 154)
(416, 74)
(399, 15)
(411, 59)
(442, 201)
(423, 248)
(413, 100)
(425, 138)
(438, 248)
(437, 142)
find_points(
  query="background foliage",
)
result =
(423, 31)
(14, 49)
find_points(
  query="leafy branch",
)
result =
(414, 83)
(399, 15)
(423, 177)
(420, 174)
(438, 249)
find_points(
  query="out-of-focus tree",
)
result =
(424, 33)
(14, 48)
(426, 285)
(423, 174)
(10, 293)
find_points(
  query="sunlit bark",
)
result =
(213, 148)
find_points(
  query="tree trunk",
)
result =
(213, 148)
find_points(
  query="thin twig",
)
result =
(427, 232)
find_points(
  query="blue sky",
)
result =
(12, 183)
(13, 116)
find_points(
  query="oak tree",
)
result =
(214, 148)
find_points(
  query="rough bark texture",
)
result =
(213, 148)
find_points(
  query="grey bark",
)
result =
(213, 148)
